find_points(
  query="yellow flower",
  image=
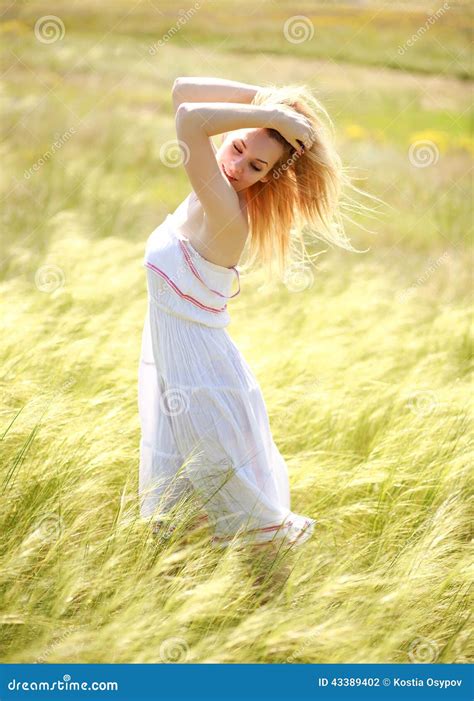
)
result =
(14, 26)
(354, 131)
(439, 138)
(465, 143)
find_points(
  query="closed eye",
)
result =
(259, 170)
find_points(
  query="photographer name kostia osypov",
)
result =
(397, 681)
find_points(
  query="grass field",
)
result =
(365, 362)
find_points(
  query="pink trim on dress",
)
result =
(254, 530)
(266, 542)
(215, 310)
(193, 269)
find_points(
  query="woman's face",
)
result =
(247, 155)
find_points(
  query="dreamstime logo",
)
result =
(284, 166)
(423, 153)
(423, 651)
(186, 15)
(422, 402)
(174, 153)
(163, 289)
(298, 29)
(49, 277)
(174, 401)
(319, 390)
(403, 295)
(64, 684)
(52, 646)
(67, 384)
(298, 277)
(58, 143)
(49, 29)
(174, 650)
(310, 640)
(49, 527)
(59, 388)
(424, 28)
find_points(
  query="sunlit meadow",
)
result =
(365, 360)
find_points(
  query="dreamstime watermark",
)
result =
(49, 29)
(311, 639)
(423, 153)
(64, 684)
(423, 651)
(284, 166)
(403, 295)
(174, 650)
(163, 289)
(57, 145)
(298, 277)
(174, 401)
(307, 143)
(60, 388)
(174, 153)
(49, 277)
(49, 527)
(50, 648)
(424, 28)
(67, 384)
(186, 15)
(298, 29)
(422, 402)
(319, 390)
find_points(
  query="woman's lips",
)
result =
(229, 177)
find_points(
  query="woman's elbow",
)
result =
(181, 83)
(176, 85)
(177, 94)
(183, 109)
(183, 112)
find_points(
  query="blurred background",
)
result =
(365, 362)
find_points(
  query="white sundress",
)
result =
(204, 424)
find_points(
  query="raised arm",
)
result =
(203, 89)
(195, 123)
(207, 89)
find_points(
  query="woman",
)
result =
(204, 422)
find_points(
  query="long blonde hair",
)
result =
(304, 194)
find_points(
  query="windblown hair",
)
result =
(304, 194)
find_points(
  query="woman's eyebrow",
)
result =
(257, 159)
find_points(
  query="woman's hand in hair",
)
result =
(294, 127)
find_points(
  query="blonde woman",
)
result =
(204, 422)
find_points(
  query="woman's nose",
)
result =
(235, 170)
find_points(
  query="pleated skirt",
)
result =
(205, 427)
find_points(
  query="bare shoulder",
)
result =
(222, 243)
